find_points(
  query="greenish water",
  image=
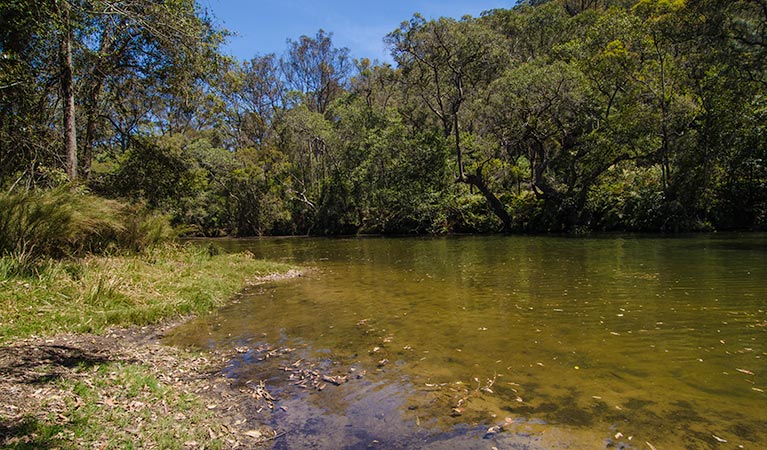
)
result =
(630, 342)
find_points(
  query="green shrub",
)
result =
(469, 213)
(35, 225)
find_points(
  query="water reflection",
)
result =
(570, 343)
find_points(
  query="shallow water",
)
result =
(622, 341)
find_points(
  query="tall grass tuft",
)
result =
(144, 229)
(35, 225)
(17, 264)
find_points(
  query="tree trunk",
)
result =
(496, 206)
(458, 153)
(91, 125)
(90, 133)
(68, 94)
(98, 74)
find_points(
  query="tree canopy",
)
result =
(551, 116)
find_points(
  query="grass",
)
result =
(71, 262)
(92, 293)
(127, 397)
(66, 222)
(118, 406)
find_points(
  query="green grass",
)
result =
(74, 262)
(90, 294)
(39, 224)
(33, 434)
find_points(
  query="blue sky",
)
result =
(263, 26)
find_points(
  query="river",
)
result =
(596, 342)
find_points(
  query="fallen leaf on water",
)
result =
(492, 431)
(337, 380)
(747, 372)
(757, 389)
(652, 447)
(718, 439)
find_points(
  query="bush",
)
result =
(527, 212)
(35, 225)
(469, 213)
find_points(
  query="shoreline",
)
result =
(42, 379)
(118, 385)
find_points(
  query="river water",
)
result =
(598, 342)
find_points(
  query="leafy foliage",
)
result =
(553, 115)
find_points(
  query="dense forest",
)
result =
(551, 116)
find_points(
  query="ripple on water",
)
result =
(661, 340)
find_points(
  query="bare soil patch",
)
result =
(34, 375)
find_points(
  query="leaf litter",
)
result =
(57, 379)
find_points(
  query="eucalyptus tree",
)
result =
(28, 144)
(443, 64)
(161, 53)
(532, 31)
(725, 174)
(252, 94)
(100, 47)
(376, 83)
(317, 69)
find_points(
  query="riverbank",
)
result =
(81, 365)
